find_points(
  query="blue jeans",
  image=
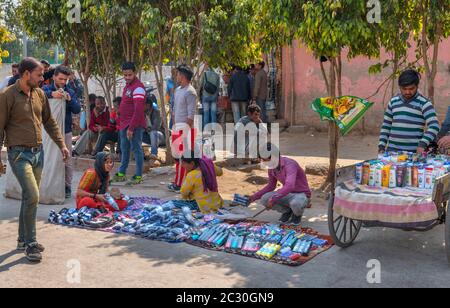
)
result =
(209, 110)
(135, 145)
(239, 110)
(155, 138)
(262, 104)
(27, 167)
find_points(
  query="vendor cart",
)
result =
(344, 229)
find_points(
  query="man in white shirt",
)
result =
(14, 71)
(185, 108)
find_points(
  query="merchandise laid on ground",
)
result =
(145, 217)
(396, 189)
(179, 221)
(272, 242)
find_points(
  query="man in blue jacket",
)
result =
(239, 92)
(58, 89)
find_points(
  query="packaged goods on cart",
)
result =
(392, 170)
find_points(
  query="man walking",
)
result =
(58, 89)
(132, 124)
(24, 109)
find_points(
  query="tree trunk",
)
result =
(333, 132)
(87, 107)
(433, 72)
(162, 104)
(394, 73)
(292, 65)
(339, 74)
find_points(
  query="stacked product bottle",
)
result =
(393, 170)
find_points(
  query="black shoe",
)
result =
(285, 217)
(296, 220)
(33, 254)
(68, 192)
(22, 247)
(174, 188)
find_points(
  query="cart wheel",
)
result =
(447, 234)
(343, 230)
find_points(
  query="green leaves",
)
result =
(197, 31)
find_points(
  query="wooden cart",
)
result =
(345, 230)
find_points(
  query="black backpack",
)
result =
(209, 87)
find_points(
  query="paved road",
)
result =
(408, 259)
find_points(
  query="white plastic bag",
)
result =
(52, 189)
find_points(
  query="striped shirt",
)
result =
(409, 124)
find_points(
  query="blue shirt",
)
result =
(170, 86)
(72, 107)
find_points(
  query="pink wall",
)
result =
(356, 81)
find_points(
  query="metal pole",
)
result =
(56, 54)
(25, 46)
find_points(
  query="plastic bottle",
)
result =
(385, 175)
(415, 176)
(408, 175)
(372, 175)
(429, 171)
(421, 177)
(393, 177)
(359, 174)
(379, 176)
(401, 171)
(366, 174)
(111, 201)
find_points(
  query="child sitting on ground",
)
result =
(200, 183)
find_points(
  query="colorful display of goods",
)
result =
(266, 241)
(392, 170)
(346, 111)
(178, 221)
(165, 222)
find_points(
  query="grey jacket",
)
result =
(213, 78)
(261, 86)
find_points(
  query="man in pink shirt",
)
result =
(293, 197)
(132, 124)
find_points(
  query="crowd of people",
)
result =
(134, 119)
(410, 124)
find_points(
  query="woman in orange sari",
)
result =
(94, 185)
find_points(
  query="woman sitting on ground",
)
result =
(94, 185)
(200, 183)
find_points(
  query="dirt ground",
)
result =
(306, 149)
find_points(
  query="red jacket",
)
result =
(132, 106)
(103, 120)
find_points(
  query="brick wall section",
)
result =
(356, 81)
